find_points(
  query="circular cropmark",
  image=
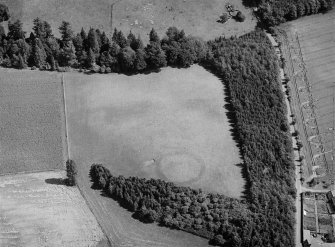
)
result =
(181, 167)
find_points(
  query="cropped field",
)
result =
(197, 17)
(170, 125)
(38, 210)
(310, 58)
(31, 121)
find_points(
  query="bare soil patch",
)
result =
(34, 212)
(31, 120)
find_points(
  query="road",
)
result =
(296, 153)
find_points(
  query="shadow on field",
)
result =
(231, 116)
(245, 175)
(56, 181)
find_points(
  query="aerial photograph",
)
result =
(167, 123)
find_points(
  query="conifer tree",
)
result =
(105, 43)
(21, 63)
(42, 29)
(92, 41)
(140, 63)
(66, 32)
(127, 59)
(38, 54)
(131, 39)
(83, 34)
(155, 56)
(90, 58)
(71, 172)
(52, 63)
(115, 36)
(15, 30)
(78, 43)
(121, 39)
(4, 13)
(67, 55)
(153, 36)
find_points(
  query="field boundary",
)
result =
(30, 172)
(92, 211)
(68, 157)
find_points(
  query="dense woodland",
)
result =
(249, 67)
(274, 12)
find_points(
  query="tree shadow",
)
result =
(231, 116)
(56, 181)
(250, 3)
(246, 193)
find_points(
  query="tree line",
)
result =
(223, 220)
(95, 51)
(273, 13)
(250, 68)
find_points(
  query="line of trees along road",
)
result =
(249, 67)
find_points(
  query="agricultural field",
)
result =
(31, 121)
(196, 17)
(308, 49)
(171, 125)
(37, 209)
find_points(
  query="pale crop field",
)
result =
(311, 59)
(170, 125)
(38, 210)
(31, 121)
(197, 17)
